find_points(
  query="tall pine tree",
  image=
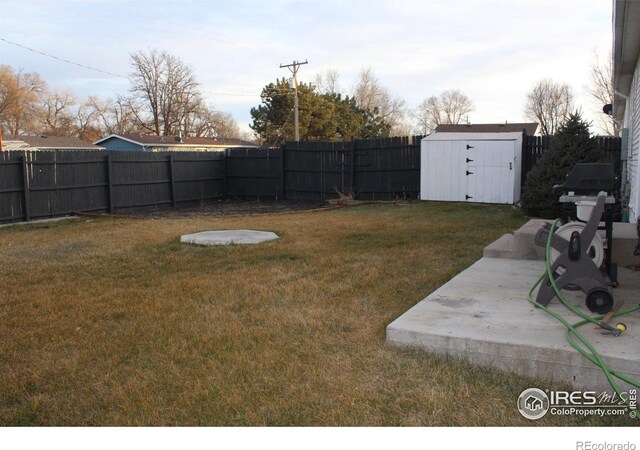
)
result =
(323, 117)
(572, 144)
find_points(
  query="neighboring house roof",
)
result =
(488, 128)
(626, 48)
(44, 142)
(175, 141)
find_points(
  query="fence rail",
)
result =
(53, 183)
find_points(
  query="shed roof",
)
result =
(455, 136)
(488, 128)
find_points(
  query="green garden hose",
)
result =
(584, 347)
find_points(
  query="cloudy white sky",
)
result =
(492, 50)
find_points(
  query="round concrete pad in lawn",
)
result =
(226, 237)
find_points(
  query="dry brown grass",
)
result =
(114, 322)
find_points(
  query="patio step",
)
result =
(519, 245)
(501, 248)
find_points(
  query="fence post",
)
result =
(173, 180)
(110, 183)
(352, 168)
(25, 187)
(283, 148)
(523, 157)
(224, 173)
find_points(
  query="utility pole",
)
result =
(293, 67)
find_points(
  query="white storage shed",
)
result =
(471, 167)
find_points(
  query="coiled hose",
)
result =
(577, 339)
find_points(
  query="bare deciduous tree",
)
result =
(114, 116)
(146, 77)
(427, 115)
(208, 122)
(20, 95)
(164, 99)
(164, 91)
(601, 90)
(373, 97)
(327, 82)
(87, 126)
(549, 103)
(57, 114)
(451, 106)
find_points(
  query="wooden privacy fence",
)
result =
(54, 183)
(254, 173)
(376, 169)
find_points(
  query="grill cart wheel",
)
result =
(599, 301)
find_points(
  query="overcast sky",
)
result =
(491, 50)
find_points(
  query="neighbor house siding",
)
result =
(633, 123)
(120, 145)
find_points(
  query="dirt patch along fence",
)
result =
(54, 183)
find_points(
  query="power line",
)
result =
(232, 94)
(62, 59)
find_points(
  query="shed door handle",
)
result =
(469, 173)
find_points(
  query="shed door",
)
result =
(490, 171)
(443, 171)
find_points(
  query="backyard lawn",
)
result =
(115, 322)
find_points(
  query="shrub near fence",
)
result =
(534, 146)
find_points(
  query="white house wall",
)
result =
(632, 121)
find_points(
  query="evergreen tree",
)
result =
(572, 144)
(322, 117)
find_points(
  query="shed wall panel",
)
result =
(471, 167)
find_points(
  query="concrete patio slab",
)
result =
(482, 315)
(226, 237)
